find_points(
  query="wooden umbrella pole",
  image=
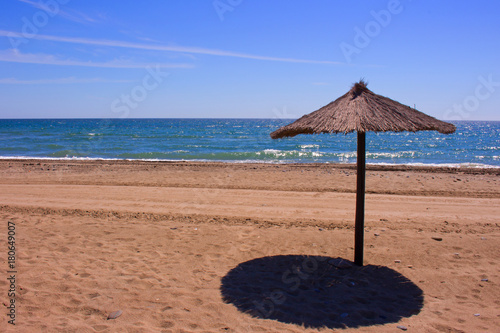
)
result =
(359, 233)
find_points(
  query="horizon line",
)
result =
(206, 118)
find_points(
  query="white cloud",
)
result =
(65, 80)
(74, 16)
(13, 55)
(171, 48)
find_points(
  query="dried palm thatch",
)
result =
(361, 110)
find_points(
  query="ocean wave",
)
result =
(398, 154)
(75, 158)
(482, 157)
(68, 158)
(488, 148)
(276, 153)
(14, 149)
(66, 153)
(443, 165)
(53, 146)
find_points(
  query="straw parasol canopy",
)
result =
(361, 110)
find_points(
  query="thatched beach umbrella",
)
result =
(361, 110)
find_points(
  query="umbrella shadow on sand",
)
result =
(319, 291)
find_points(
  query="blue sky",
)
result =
(245, 59)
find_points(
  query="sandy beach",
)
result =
(216, 247)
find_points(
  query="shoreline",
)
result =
(445, 167)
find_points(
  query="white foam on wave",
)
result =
(309, 146)
(445, 165)
(288, 153)
(66, 158)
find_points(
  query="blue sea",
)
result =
(474, 144)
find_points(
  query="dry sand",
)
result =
(214, 247)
